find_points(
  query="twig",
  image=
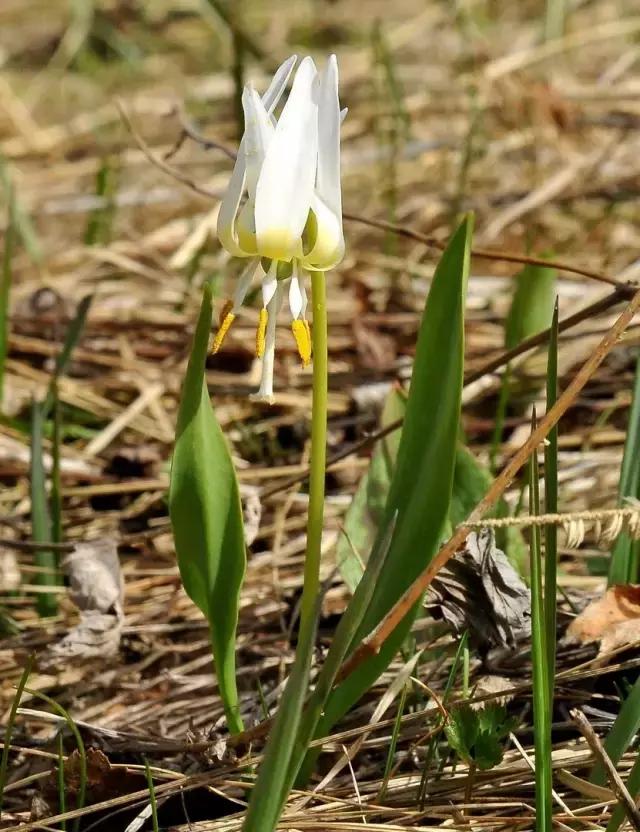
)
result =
(373, 642)
(615, 781)
(188, 131)
(157, 161)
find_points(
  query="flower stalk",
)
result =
(311, 586)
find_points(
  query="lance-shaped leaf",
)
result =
(420, 491)
(206, 515)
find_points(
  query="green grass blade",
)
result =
(633, 787)
(551, 507)
(152, 796)
(539, 658)
(206, 516)
(56, 484)
(392, 746)
(82, 787)
(46, 561)
(8, 732)
(62, 800)
(420, 491)
(99, 225)
(623, 730)
(270, 791)
(5, 291)
(21, 220)
(72, 336)
(624, 564)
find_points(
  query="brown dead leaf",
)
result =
(613, 620)
(479, 590)
(104, 781)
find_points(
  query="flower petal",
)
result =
(258, 133)
(244, 282)
(327, 242)
(265, 393)
(295, 294)
(288, 175)
(278, 83)
(233, 196)
(329, 119)
(270, 283)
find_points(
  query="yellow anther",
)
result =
(261, 332)
(226, 319)
(302, 334)
(228, 307)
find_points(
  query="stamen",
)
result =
(301, 333)
(261, 332)
(226, 319)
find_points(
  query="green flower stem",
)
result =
(311, 586)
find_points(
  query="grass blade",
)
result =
(551, 507)
(8, 733)
(633, 787)
(56, 485)
(152, 796)
(539, 658)
(625, 558)
(46, 561)
(206, 516)
(72, 336)
(62, 800)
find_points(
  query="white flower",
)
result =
(283, 205)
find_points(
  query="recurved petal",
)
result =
(287, 179)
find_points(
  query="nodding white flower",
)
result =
(283, 205)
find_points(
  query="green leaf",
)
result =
(625, 558)
(71, 338)
(420, 490)
(623, 730)
(476, 734)
(530, 312)
(206, 516)
(365, 515)
(532, 304)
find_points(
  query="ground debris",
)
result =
(480, 591)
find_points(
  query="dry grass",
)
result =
(541, 141)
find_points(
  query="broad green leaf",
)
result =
(420, 490)
(530, 312)
(625, 558)
(476, 735)
(532, 304)
(206, 516)
(365, 514)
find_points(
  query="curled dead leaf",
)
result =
(613, 620)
